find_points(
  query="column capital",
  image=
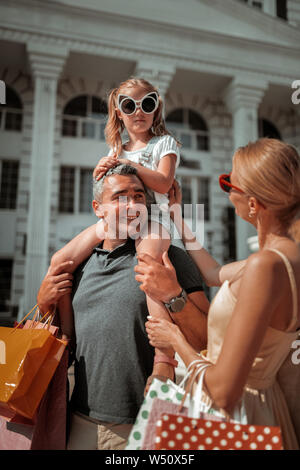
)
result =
(46, 61)
(244, 93)
(159, 74)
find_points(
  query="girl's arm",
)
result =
(244, 335)
(78, 249)
(159, 180)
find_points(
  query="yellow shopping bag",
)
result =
(31, 358)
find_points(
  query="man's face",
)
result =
(123, 206)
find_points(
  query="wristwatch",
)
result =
(177, 303)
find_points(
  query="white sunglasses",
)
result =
(148, 104)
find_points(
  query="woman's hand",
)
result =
(104, 164)
(162, 333)
(159, 281)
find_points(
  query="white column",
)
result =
(242, 98)
(159, 74)
(46, 65)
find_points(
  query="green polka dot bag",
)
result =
(168, 391)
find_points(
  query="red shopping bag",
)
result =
(183, 433)
(159, 408)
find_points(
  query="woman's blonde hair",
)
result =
(115, 126)
(269, 170)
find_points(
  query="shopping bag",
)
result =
(32, 356)
(167, 391)
(214, 430)
(159, 408)
(184, 433)
(48, 429)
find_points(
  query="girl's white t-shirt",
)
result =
(161, 146)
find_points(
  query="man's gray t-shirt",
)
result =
(113, 354)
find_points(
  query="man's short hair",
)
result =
(120, 169)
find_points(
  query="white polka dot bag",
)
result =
(175, 432)
(167, 391)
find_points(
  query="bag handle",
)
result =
(37, 312)
(189, 371)
(195, 372)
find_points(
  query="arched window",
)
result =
(267, 129)
(190, 129)
(85, 117)
(11, 113)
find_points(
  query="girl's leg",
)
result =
(155, 242)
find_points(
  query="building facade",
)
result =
(226, 70)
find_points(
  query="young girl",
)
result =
(137, 107)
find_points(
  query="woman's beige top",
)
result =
(263, 399)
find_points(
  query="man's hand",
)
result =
(56, 284)
(158, 281)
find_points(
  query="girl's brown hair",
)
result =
(269, 170)
(115, 126)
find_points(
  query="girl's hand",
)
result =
(104, 164)
(162, 333)
(125, 161)
(175, 194)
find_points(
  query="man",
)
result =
(113, 354)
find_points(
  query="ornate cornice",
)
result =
(144, 52)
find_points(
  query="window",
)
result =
(196, 190)
(9, 170)
(6, 266)
(66, 189)
(267, 129)
(229, 234)
(11, 112)
(189, 128)
(281, 9)
(76, 190)
(85, 117)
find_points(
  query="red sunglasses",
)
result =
(225, 183)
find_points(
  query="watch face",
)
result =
(177, 305)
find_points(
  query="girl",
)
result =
(254, 319)
(137, 107)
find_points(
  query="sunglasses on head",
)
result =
(225, 183)
(148, 104)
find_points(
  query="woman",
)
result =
(254, 318)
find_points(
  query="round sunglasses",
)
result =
(148, 104)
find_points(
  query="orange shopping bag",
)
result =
(31, 358)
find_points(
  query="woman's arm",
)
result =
(251, 317)
(213, 273)
(159, 180)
